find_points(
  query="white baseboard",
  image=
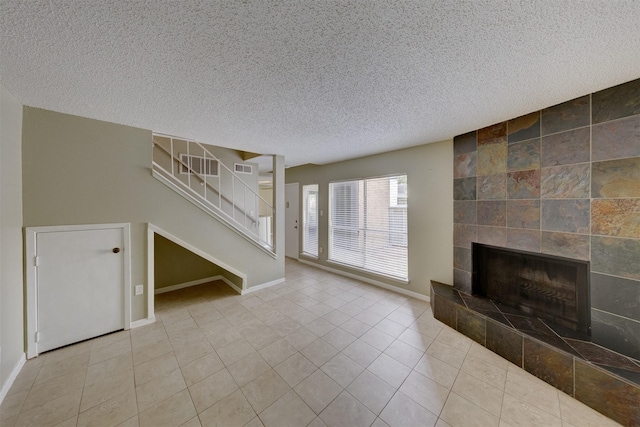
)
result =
(368, 280)
(231, 284)
(187, 284)
(263, 286)
(142, 322)
(12, 377)
(199, 282)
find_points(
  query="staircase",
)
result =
(190, 169)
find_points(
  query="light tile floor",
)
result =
(316, 350)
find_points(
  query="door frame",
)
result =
(31, 234)
(297, 187)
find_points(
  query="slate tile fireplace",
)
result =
(561, 182)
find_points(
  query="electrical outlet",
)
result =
(320, 250)
(139, 289)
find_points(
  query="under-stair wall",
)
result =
(84, 171)
(175, 265)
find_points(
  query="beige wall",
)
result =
(174, 265)
(266, 194)
(429, 170)
(11, 270)
(84, 171)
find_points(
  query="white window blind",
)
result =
(310, 219)
(368, 225)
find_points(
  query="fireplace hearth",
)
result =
(598, 377)
(547, 287)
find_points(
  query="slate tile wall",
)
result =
(564, 181)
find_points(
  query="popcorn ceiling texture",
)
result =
(317, 81)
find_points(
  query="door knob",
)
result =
(116, 250)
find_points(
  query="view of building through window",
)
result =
(368, 224)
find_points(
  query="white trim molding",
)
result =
(12, 377)
(263, 286)
(171, 288)
(142, 322)
(387, 286)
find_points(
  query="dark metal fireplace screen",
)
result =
(552, 288)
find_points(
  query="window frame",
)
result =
(306, 191)
(360, 236)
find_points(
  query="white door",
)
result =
(79, 285)
(292, 212)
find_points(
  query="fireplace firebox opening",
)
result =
(552, 288)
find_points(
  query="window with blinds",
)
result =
(310, 219)
(368, 225)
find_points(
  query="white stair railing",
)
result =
(191, 169)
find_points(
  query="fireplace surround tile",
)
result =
(631, 376)
(496, 236)
(616, 102)
(554, 342)
(464, 234)
(565, 148)
(464, 188)
(492, 187)
(550, 365)
(616, 140)
(616, 217)
(566, 181)
(494, 134)
(616, 295)
(479, 304)
(568, 115)
(471, 324)
(567, 245)
(464, 211)
(465, 143)
(527, 240)
(491, 158)
(523, 128)
(523, 184)
(607, 394)
(616, 256)
(492, 213)
(616, 332)
(465, 165)
(445, 311)
(462, 280)
(462, 258)
(616, 178)
(568, 215)
(584, 372)
(597, 354)
(523, 214)
(523, 155)
(505, 341)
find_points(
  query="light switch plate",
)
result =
(139, 289)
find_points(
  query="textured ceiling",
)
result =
(317, 81)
